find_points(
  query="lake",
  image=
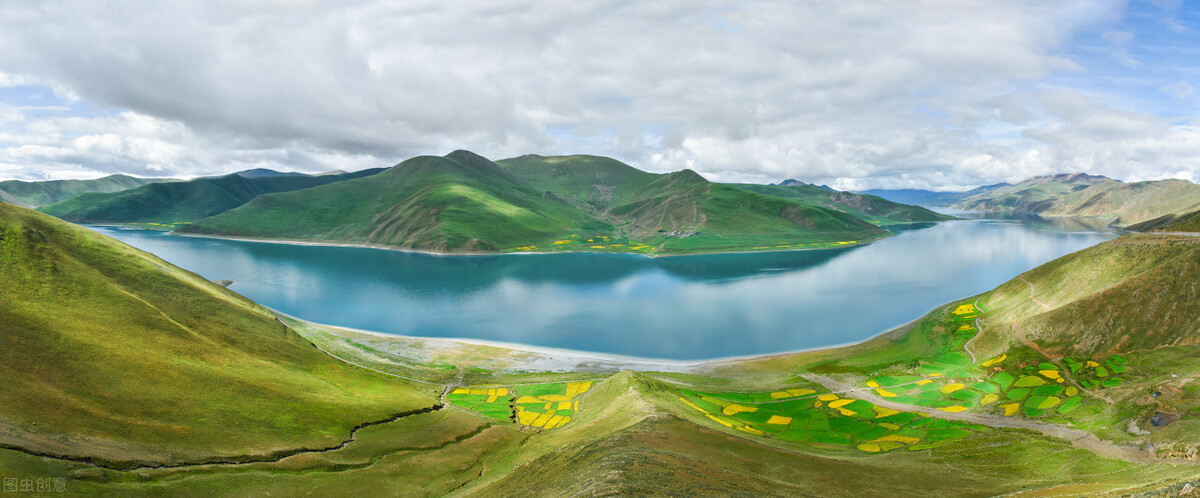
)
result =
(682, 308)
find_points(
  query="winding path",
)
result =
(1078, 438)
(1020, 333)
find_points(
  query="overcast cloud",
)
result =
(945, 94)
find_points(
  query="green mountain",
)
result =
(1087, 195)
(872, 208)
(181, 202)
(113, 356)
(603, 184)
(36, 194)
(465, 203)
(1136, 292)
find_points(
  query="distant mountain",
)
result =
(929, 198)
(36, 194)
(871, 208)
(1089, 195)
(463, 202)
(797, 183)
(180, 202)
(264, 172)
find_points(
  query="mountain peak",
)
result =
(689, 176)
(467, 157)
(264, 172)
(791, 182)
(1072, 178)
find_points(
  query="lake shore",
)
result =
(530, 358)
(483, 254)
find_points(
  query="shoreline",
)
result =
(484, 254)
(614, 360)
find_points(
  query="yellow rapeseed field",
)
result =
(995, 360)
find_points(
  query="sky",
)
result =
(907, 94)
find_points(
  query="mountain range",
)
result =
(36, 194)
(181, 202)
(1120, 203)
(463, 202)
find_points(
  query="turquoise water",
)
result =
(686, 308)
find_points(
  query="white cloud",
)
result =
(1179, 90)
(913, 93)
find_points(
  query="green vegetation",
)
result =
(465, 203)
(1176, 222)
(37, 194)
(177, 203)
(876, 210)
(117, 356)
(151, 366)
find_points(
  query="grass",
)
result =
(873, 209)
(141, 362)
(36, 194)
(148, 363)
(465, 203)
(177, 203)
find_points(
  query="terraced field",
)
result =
(545, 406)
(954, 382)
(818, 418)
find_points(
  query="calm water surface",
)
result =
(692, 307)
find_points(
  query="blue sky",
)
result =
(906, 94)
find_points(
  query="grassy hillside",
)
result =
(183, 202)
(114, 355)
(37, 194)
(460, 202)
(147, 363)
(1084, 195)
(1133, 293)
(602, 183)
(465, 203)
(683, 212)
(1185, 222)
(871, 208)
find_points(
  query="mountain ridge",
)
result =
(463, 202)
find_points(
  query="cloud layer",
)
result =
(905, 93)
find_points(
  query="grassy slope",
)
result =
(139, 361)
(1134, 292)
(1122, 203)
(647, 205)
(1185, 222)
(867, 207)
(1136, 296)
(631, 437)
(464, 203)
(454, 203)
(36, 194)
(181, 202)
